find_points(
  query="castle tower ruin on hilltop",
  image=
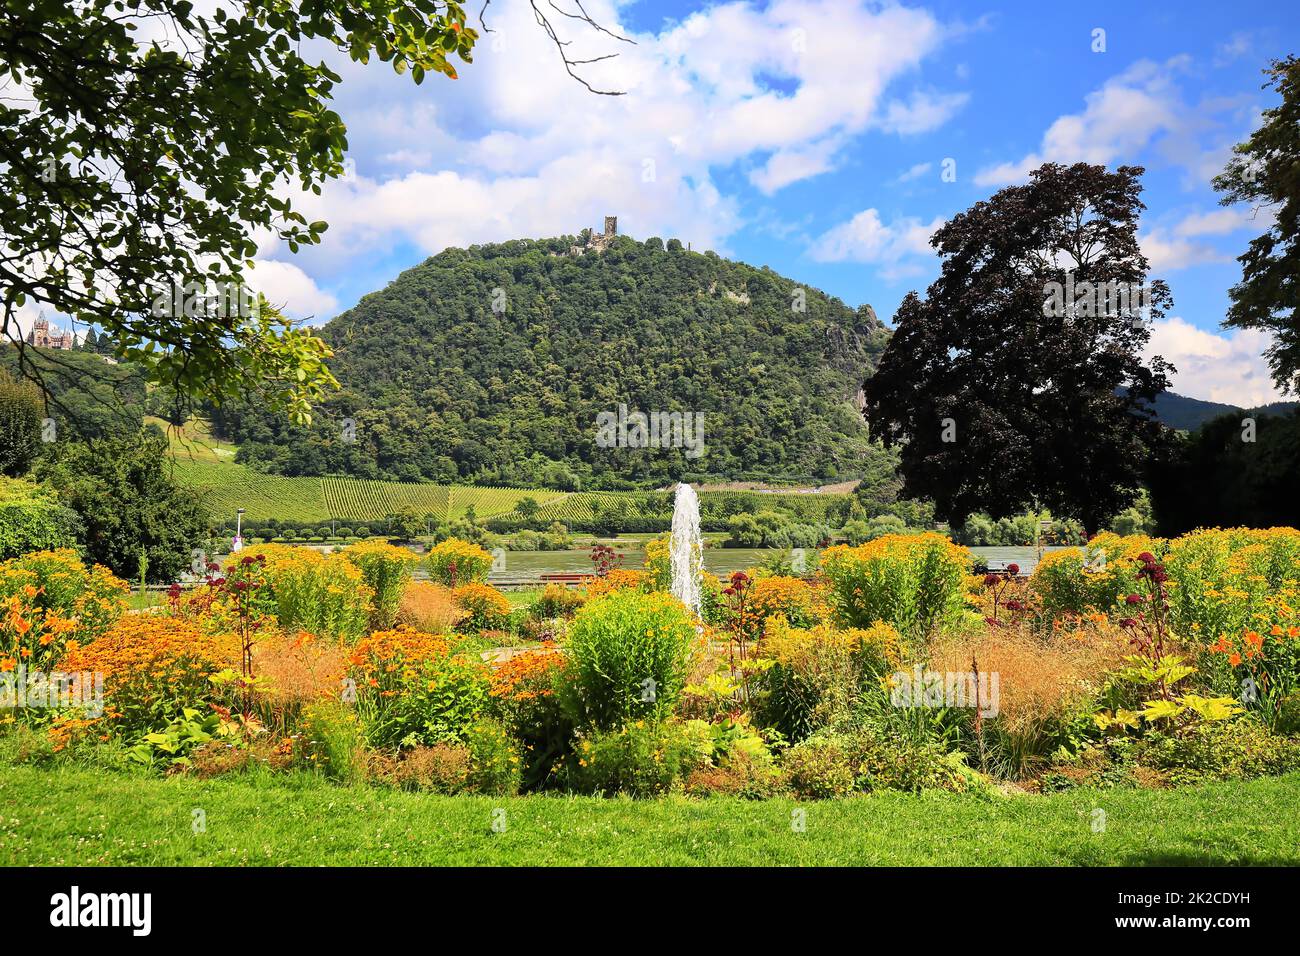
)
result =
(598, 242)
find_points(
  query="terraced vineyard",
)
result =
(584, 505)
(355, 499)
(491, 502)
(229, 486)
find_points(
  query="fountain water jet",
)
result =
(686, 548)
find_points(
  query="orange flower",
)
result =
(1234, 659)
(526, 676)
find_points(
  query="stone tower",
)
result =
(599, 241)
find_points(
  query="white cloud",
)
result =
(1227, 367)
(1237, 46)
(288, 287)
(922, 112)
(791, 165)
(517, 148)
(1167, 252)
(1172, 247)
(1216, 223)
(895, 247)
(915, 172)
(1118, 120)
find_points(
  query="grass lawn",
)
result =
(522, 597)
(79, 817)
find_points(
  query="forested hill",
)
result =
(1189, 414)
(442, 386)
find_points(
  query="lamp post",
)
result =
(238, 543)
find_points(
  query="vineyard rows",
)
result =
(230, 486)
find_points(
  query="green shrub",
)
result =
(628, 659)
(1219, 750)
(455, 562)
(22, 407)
(641, 759)
(62, 585)
(863, 759)
(914, 582)
(31, 519)
(387, 571)
(817, 674)
(737, 775)
(486, 608)
(171, 746)
(740, 763)
(138, 519)
(818, 769)
(494, 759)
(908, 763)
(1072, 581)
(442, 768)
(325, 595)
(556, 600)
(434, 701)
(331, 741)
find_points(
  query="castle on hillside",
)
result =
(41, 336)
(597, 242)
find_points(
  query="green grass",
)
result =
(522, 597)
(76, 817)
(141, 600)
(194, 441)
(204, 464)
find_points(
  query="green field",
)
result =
(229, 486)
(79, 817)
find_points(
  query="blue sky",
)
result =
(809, 137)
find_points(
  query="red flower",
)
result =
(1146, 557)
(1133, 599)
(990, 580)
(1013, 569)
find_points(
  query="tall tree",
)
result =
(145, 142)
(1232, 471)
(21, 410)
(1018, 379)
(152, 139)
(136, 517)
(1266, 173)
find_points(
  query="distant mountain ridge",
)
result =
(1188, 414)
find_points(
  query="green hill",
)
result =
(490, 365)
(1189, 414)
